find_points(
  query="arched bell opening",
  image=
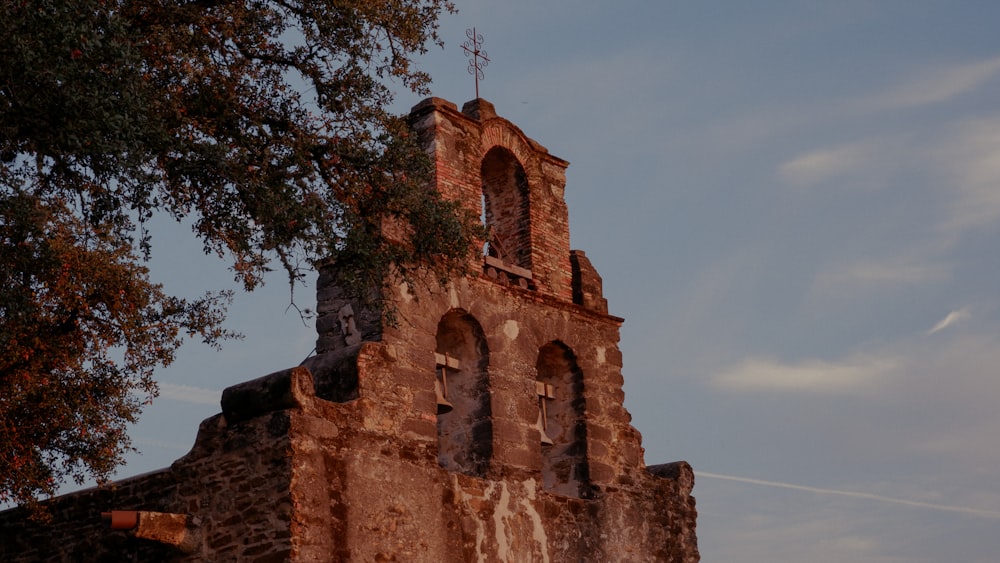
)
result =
(506, 208)
(562, 429)
(464, 422)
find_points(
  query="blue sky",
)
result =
(796, 208)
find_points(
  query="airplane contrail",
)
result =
(853, 494)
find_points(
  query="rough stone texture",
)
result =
(348, 457)
(234, 483)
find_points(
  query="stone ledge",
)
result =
(280, 390)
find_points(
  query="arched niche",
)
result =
(465, 433)
(506, 210)
(561, 408)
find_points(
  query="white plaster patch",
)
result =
(464, 497)
(538, 530)
(505, 517)
(404, 292)
(502, 512)
(347, 326)
(511, 329)
(600, 354)
(453, 296)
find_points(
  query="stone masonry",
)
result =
(486, 424)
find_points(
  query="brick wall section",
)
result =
(76, 532)
(458, 142)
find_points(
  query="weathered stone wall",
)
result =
(622, 512)
(76, 532)
(304, 479)
(236, 483)
(537, 336)
(233, 487)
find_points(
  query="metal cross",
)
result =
(477, 57)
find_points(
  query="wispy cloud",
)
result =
(853, 494)
(754, 374)
(950, 319)
(824, 164)
(936, 85)
(873, 274)
(971, 157)
(190, 394)
(872, 160)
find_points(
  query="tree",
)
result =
(263, 123)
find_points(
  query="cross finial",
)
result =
(477, 57)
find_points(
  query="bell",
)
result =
(444, 362)
(546, 441)
(443, 405)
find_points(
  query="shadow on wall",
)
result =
(561, 406)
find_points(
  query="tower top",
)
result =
(494, 170)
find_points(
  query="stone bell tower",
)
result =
(506, 386)
(487, 424)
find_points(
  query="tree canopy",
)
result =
(262, 123)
